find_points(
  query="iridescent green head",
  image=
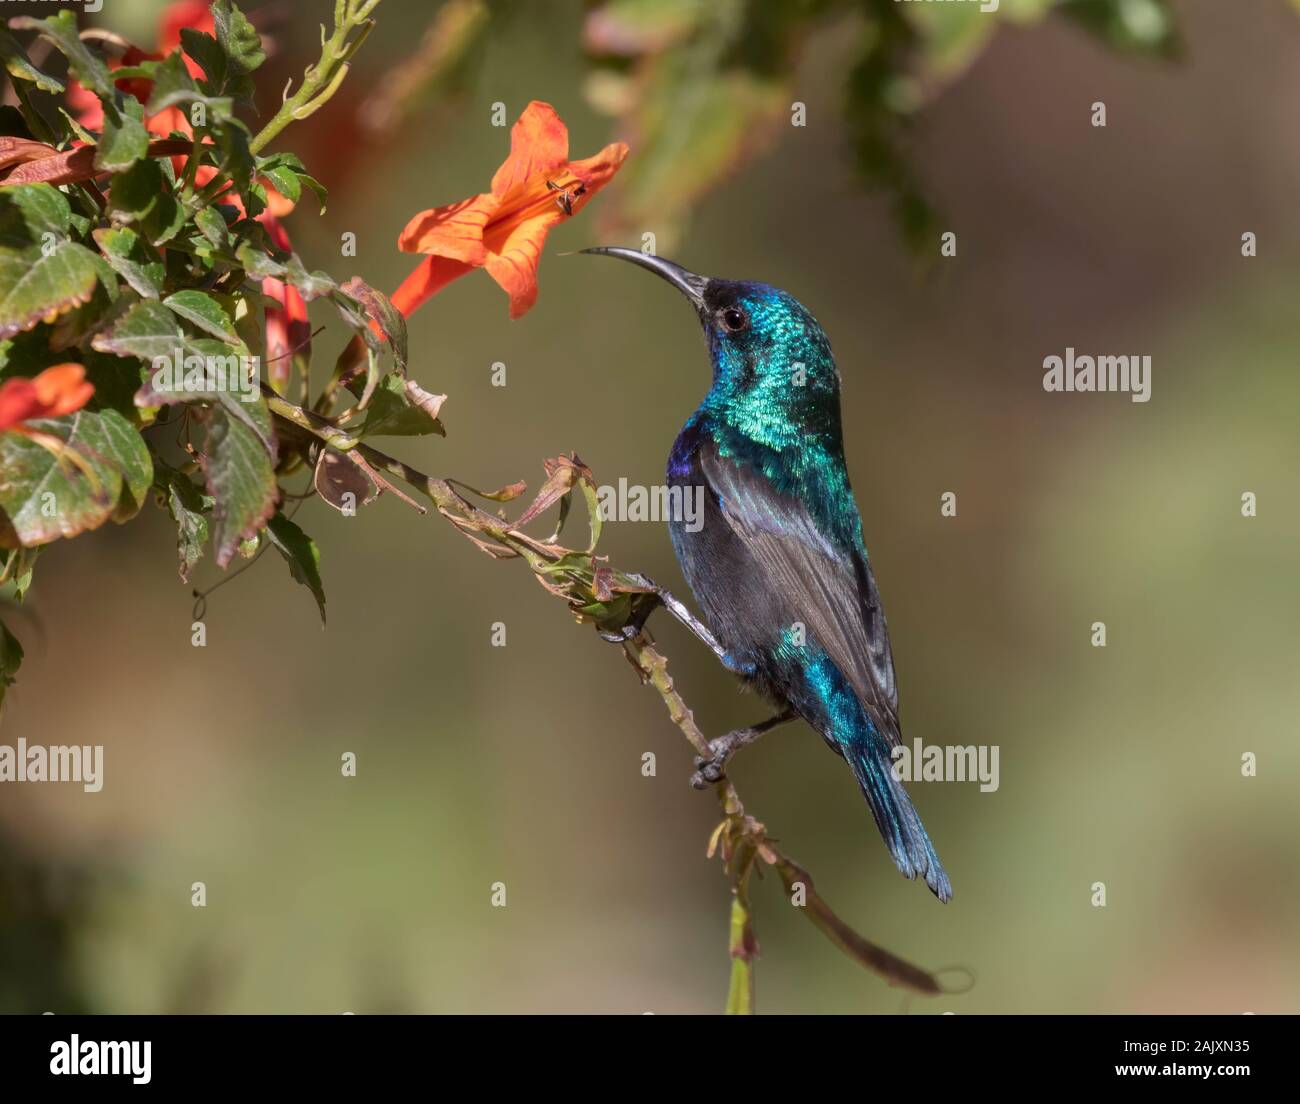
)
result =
(772, 364)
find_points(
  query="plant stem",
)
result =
(322, 80)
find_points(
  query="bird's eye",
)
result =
(734, 319)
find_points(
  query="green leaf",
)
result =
(129, 451)
(286, 172)
(11, 658)
(17, 567)
(257, 264)
(142, 196)
(42, 274)
(401, 408)
(240, 479)
(124, 140)
(152, 332)
(237, 37)
(201, 309)
(41, 289)
(189, 508)
(302, 555)
(68, 475)
(60, 30)
(76, 129)
(148, 331)
(134, 259)
(234, 158)
(75, 326)
(312, 284)
(212, 226)
(285, 181)
(204, 49)
(21, 69)
(172, 85)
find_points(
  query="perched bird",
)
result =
(778, 564)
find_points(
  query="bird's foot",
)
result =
(646, 603)
(711, 770)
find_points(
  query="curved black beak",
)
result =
(685, 281)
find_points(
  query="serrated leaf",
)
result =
(302, 555)
(188, 507)
(286, 172)
(60, 30)
(205, 50)
(312, 284)
(132, 457)
(237, 37)
(124, 140)
(240, 479)
(207, 314)
(257, 264)
(63, 476)
(151, 332)
(42, 275)
(285, 181)
(142, 196)
(34, 291)
(173, 85)
(212, 226)
(234, 157)
(134, 259)
(18, 67)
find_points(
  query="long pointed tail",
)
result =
(895, 816)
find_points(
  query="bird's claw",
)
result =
(619, 636)
(709, 771)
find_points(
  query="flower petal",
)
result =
(17, 401)
(514, 248)
(60, 389)
(595, 172)
(430, 276)
(539, 143)
(454, 231)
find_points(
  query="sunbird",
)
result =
(779, 566)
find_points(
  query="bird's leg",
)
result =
(678, 609)
(708, 771)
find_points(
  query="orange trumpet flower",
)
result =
(503, 230)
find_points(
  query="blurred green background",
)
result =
(522, 764)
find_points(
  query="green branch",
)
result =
(352, 24)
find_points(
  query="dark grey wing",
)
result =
(831, 591)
